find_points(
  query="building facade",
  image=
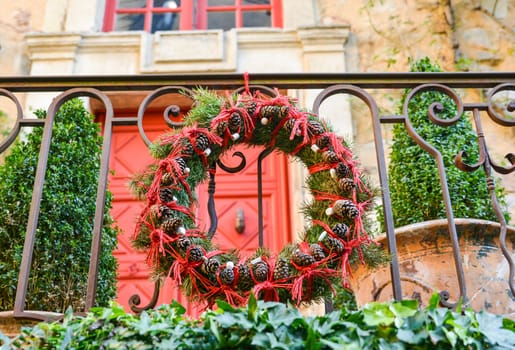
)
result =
(131, 37)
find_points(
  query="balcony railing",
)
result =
(368, 88)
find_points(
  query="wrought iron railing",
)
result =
(358, 85)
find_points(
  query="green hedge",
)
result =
(262, 325)
(60, 263)
(413, 176)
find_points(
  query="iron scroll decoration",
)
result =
(301, 272)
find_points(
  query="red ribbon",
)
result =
(158, 238)
(268, 289)
(308, 274)
(225, 114)
(170, 165)
(246, 79)
(181, 266)
(228, 290)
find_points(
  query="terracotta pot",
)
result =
(11, 326)
(426, 265)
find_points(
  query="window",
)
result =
(154, 15)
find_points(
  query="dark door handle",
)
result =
(240, 220)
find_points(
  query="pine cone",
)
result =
(345, 208)
(166, 195)
(330, 156)
(281, 269)
(220, 128)
(195, 254)
(346, 184)
(245, 282)
(270, 112)
(210, 265)
(227, 274)
(302, 259)
(283, 112)
(341, 230)
(315, 127)
(333, 245)
(187, 148)
(172, 226)
(183, 243)
(260, 271)
(235, 122)
(316, 251)
(251, 108)
(166, 179)
(341, 171)
(323, 142)
(201, 142)
(289, 125)
(165, 213)
(182, 165)
(155, 211)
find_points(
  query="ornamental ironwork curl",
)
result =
(434, 109)
(20, 121)
(171, 109)
(486, 161)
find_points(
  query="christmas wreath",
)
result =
(301, 272)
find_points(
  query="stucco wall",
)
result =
(476, 35)
(461, 35)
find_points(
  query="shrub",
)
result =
(414, 182)
(267, 325)
(60, 263)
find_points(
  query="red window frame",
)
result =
(187, 10)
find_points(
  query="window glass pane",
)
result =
(255, 2)
(165, 21)
(129, 22)
(220, 3)
(172, 4)
(257, 19)
(122, 4)
(221, 20)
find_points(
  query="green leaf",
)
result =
(492, 327)
(378, 314)
(252, 307)
(411, 337)
(450, 336)
(434, 301)
(225, 306)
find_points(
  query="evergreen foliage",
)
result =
(267, 325)
(59, 271)
(415, 189)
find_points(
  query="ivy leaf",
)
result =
(410, 337)
(378, 314)
(225, 306)
(403, 309)
(450, 336)
(341, 345)
(434, 301)
(492, 328)
(252, 307)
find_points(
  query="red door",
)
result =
(234, 193)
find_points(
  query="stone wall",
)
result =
(474, 35)
(18, 18)
(460, 35)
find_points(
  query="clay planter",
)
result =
(426, 265)
(11, 327)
